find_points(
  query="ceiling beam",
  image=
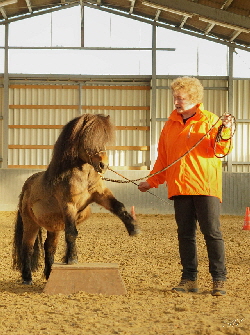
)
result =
(234, 35)
(170, 27)
(7, 2)
(2, 10)
(226, 4)
(214, 14)
(225, 25)
(132, 5)
(29, 5)
(209, 28)
(37, 13)
(184, 21)
(157, 14)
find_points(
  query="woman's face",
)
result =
(182, 102)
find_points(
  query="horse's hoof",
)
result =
(72, 261)
(27, 282)
(135, 232)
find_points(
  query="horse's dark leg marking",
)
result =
(30, 252)
(108, 201)
(70, 237)
(118, 208)
(27, 252)
(50, 245)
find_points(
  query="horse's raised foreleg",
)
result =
(118, 208)
(108, 201)
(50, 245)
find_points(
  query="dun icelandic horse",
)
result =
(59, 198)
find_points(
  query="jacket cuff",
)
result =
(152, 184)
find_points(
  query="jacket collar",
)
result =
(174, 116)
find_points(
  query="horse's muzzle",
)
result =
(101, 167)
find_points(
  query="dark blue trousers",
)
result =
(190, 209)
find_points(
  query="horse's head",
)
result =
(83, 140)
(99, 160)
(94, 131)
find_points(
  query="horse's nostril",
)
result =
(102, 166)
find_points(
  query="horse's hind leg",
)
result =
(50, 245)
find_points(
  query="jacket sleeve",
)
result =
(160, 163)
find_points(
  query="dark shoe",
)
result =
(186, 285)
(218, 288)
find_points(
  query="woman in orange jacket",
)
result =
(190, 144)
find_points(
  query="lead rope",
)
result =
(133, 182)
(218, 138)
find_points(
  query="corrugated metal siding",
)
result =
(241, 110)
(127, 98)
(107, 97)
(1, 121)
(80, 100)
(216, 101)
(37, 96)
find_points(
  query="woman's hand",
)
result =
(144, 186)
(227, 120)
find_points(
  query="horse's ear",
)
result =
(108, 117)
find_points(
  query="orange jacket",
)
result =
(200, 171)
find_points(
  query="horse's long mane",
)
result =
(90, 131)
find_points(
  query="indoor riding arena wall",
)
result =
(236, 192)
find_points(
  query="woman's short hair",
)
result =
(189, 85)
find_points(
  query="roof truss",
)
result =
(219, 22)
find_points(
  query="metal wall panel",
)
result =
(1, 120)
(108, 96)
(236, 192)
(137, 117)
(80, 100)
(241, 110)
(216, 101)
(37, 96)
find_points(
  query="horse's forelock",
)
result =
(96, 133)
(89, 132)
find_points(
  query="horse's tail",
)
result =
(17, 253)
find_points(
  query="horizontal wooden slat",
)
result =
(61, 87)
(135, 147)
(77, 107)
(30, 146)
(85, 87)
(34, 126)
(20, 126)
(132, 127)
(37, 146)
(42, 167)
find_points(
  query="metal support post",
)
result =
(6, 99)
(230, 98)
(153, 144)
